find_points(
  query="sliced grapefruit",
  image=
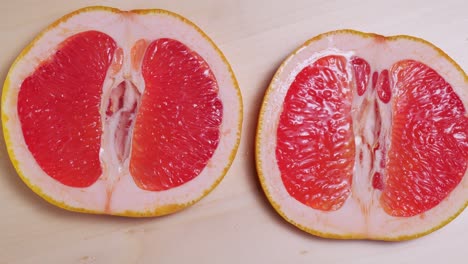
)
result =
(133, 113)
(365, 136)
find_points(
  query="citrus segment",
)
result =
(315, 150)
(361, 70)
(180, 115)
(58, 107)
(429, 150)
(383, 87)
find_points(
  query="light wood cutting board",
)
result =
(235, 223)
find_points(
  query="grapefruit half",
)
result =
(365, 136)
(134, 113)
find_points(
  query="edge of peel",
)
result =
(260, 121)
(158, 210)
(382, 38)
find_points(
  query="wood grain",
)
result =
(234, 224)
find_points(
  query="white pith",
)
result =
(361, 215)
(115, 191)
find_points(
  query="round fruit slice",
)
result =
(365, 136)
(133, 113)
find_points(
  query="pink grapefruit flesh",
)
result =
(99, 120)
(180, 113)
(356, 143)
(58, 107)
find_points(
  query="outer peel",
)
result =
(154, 205)
(331, 224)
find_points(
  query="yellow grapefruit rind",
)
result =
(160, 210)
(261, 176)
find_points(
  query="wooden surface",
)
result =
(235, 223)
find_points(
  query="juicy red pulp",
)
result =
(315, 150)
(177, 126)
(169, 132)
(428, 151)
(58, 108)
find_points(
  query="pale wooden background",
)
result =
(234, 224)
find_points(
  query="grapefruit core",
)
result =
(365, 136)
(133, 113)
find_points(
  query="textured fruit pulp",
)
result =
(334, 113)
(163, 134)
